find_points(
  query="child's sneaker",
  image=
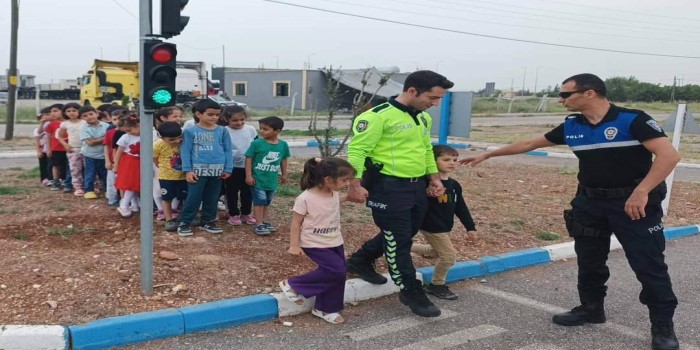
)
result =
(261, 230)
(90, 195)
(134, 209)
(235, 220)
(184, 230)
(113, 204)
(211, 227)
(175, 214)
(160, 215)
(249, 219)
(54, 186)
(171, 225)
(79, 193)
(441, 292)
(221, 206)
(67, 189)
(125, 213)
(46, 182)
(270, 227)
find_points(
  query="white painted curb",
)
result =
(33, 338)
(562, 251)
(17, 154)
(355, 290)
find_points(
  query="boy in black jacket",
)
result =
(439, 221)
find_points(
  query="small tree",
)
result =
(361, 102)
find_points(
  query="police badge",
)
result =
(361, 125)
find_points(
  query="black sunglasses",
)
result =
(567, 94)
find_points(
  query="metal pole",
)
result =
(537, 74)
(522, 93)
(223, 56)
(444, 118)
(677, 130)
(146, 159)
(12, 78)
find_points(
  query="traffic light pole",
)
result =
(146, 117)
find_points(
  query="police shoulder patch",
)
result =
(654, 125)
(361, 125)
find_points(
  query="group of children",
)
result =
(193, 165)
(219, 153)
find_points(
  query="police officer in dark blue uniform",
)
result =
(620, 191)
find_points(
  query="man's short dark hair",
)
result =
(169, 129)
(85, 109)
(424, 80)
(201, 106)
(276, 123)
(588, 81)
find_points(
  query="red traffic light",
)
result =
(163, 53)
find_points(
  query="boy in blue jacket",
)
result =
(205, 153)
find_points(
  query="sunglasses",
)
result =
(567, 94)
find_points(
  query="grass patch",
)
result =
(11, 191)
(30, 174)
(289, 190)
(519, 224)
(20, 236)
(547, 236)
(66, 232)
(335, 132)
(568, 170)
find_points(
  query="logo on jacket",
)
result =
(361, 125)
(610, 133)
(654, 125)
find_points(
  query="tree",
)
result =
(361, 102)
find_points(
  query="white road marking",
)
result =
(617, 328)
(396, 325)
(537, 346)
(456, 338)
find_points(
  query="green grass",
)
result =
(10, 191)
(336, 132)
(519, 224)
(547, 236)
(29, 174)
(20, 236)
(66, 232)
(24, 115)
(568, 171)
(492, 105)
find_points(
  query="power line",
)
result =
(615, 10)
(504, 24)
(478, 34)
(125, 9)
(577, 15)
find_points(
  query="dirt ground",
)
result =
(68, 260)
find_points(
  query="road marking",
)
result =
(456, 338)
(537, 346)
(396, 325)
(617, 328)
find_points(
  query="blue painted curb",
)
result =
(537, 153)
(230, 312)
(680, 231)
(454, 145)
(316, 143)
(122, 330)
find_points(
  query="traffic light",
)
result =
(171, 22)
(160, 74)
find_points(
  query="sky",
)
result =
(457, 38)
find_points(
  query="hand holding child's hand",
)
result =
(472, 236)
(250, 181)
(191, 177)
(283, 179)
(295, 250)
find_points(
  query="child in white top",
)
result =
(127, 166)
(315, 232)
(71, 129)
(242, 135)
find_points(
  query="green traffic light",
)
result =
(162, 96)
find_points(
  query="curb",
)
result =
(141, 327)
(571, 155)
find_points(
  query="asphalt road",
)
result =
(507, 311)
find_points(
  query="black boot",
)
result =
(587, 313)
(663, 337)
(419, 303)
(364, 270)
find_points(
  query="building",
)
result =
(300, 88)
(490, 89)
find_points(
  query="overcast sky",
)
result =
(59, 39)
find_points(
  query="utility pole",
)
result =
(12, 78)
(673, 90)
(522, 93)
(223, 56)
(537, 74)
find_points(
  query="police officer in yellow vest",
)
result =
(392, 153)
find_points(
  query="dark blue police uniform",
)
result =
(612, 161)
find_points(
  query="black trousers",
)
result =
(45, 167)
(235, 184)
(398, 209)
(643, 242)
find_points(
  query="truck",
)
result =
(110, 81)
(64, 89)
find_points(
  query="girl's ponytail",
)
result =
(310, 177)
(317, 169)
